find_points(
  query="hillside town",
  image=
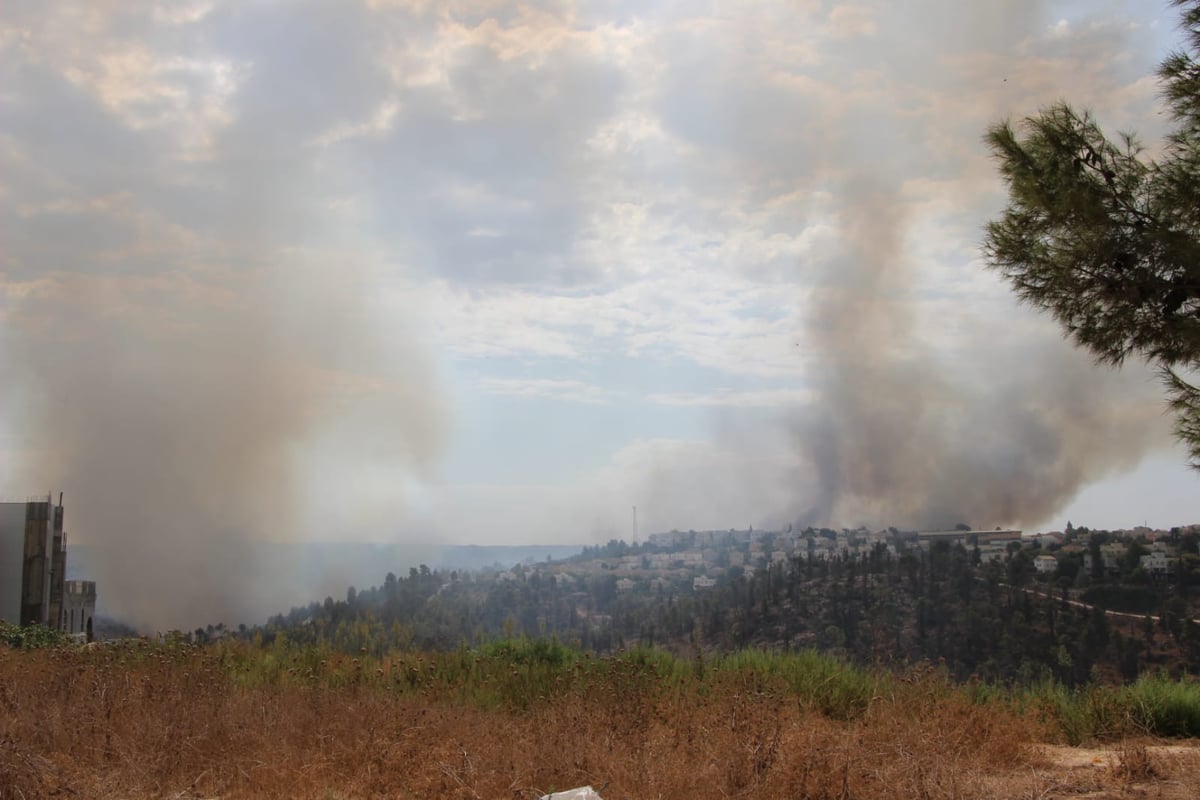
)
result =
(701, 558)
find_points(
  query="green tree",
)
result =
(1108, 240)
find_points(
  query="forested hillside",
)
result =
(992, 620)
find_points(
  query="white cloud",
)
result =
(569, 390)
(1060, 29)
(765, 398)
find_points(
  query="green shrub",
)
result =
(1163, 707)
(819, 681)
(27, 637)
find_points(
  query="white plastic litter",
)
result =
(582, 793)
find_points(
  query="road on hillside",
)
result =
(1080, 604)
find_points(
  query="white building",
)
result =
(671, 539)
(1045, 565)
(992, 552)
(1157, 563)
(1112, 553)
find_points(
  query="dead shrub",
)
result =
(1133, 764)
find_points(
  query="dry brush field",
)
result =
(172, 721)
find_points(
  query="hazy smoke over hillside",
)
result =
(178, 420)
(201, 344)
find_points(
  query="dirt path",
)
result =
(1131, 769)
(1048, 594)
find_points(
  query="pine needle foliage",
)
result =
(1106, 239)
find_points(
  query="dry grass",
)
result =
(158, 722)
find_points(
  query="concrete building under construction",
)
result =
(79, 608)
(33, 568)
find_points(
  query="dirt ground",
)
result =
(1131, 769)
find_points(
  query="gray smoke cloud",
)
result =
(899, 434)
(199, 345)
(934, 398)
(179, 420)
(997, 424)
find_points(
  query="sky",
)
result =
(473, 271)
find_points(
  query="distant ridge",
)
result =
(295, 573)
(482, 556)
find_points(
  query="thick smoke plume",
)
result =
(202, 342)
(178, 419)
(928, 411)
(900, 434)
